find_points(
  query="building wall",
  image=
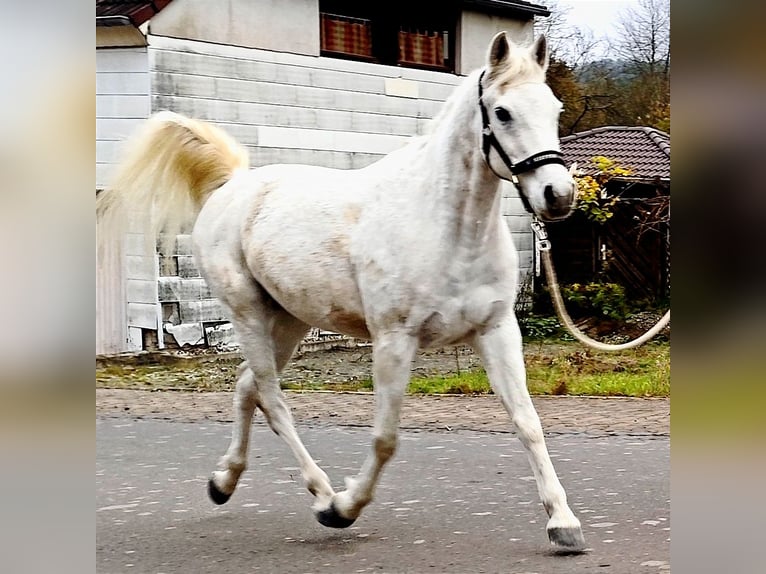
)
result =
(476, 29)
(111, 327)
(122, 102)
(279, 25)
(519, 222)
(252, 68)
(284, 108)
(291, 108)
(126, 279)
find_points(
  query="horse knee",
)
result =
(245, 389)
(529, 428)
(385, 447)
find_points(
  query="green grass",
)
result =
(469, 383)
(364, 385)
(643, 372)
(553, 368)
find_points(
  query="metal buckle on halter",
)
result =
(486, 131)
(538, 227)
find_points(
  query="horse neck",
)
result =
(466, 188)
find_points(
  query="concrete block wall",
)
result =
(122, 103)
(285, 108)
(189, 311)
(290, 108)
(129, 297)
(518, 221)
(141, 295)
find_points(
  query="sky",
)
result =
(600, 16)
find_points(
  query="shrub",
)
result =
(539, 327)
(605, 300)
(592, 198)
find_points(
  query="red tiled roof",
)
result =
(645, 151)
(138, 12)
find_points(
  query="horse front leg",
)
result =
(501, 352)
(392, 359)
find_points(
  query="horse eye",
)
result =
(502, 114)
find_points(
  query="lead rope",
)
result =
(544, 247)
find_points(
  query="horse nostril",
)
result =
(548, 193)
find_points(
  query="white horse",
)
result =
(410, 252)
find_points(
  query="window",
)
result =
(391, 33)
(344, 36)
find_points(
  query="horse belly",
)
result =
(312, 279)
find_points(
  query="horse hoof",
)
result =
(567, 539)
(329, 517)
(215, 494)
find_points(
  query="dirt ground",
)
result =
(143, 386)
(356, 364)
(211, 371)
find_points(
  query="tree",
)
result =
(564, 85)
(570, 49)
(644, 37)
(631, 87)
(568, 44)
(643, 41)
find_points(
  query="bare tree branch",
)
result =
(569, 44)
(644, 36)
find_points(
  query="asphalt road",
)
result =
(449, 502)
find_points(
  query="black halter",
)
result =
(488, 140)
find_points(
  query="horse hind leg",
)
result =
(266, 351)
(233, 463)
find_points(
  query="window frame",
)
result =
(387, 23)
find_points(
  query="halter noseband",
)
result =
(488, 141)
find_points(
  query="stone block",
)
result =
(187, 267)
(186, 333)
(199, 311)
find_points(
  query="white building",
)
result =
(337, 83)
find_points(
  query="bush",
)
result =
(538, 327)
(605, 300)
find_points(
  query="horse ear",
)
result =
(498, 51)
(540, 52)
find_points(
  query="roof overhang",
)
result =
(136, 11)
(118, 33)
(508, 7)
(111, 21)
(661, 181)
(119, 22)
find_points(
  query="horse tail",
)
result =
(170, 168)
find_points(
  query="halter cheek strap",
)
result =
(489, 141)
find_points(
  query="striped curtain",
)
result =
(421, 48)
(346, 35)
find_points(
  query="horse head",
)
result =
(520, 127)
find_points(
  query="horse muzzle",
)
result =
(559, 201)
